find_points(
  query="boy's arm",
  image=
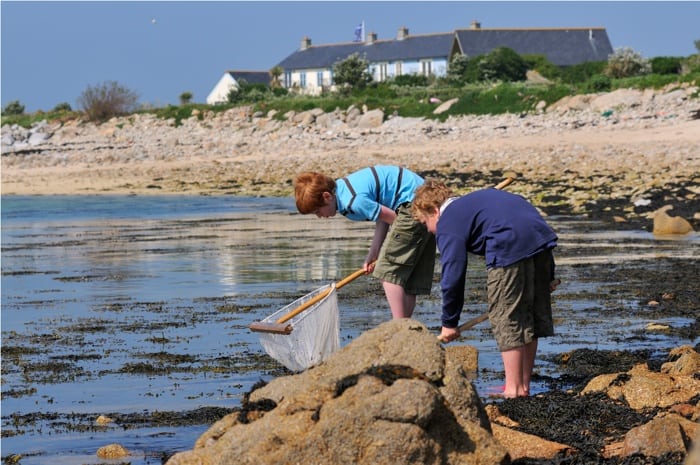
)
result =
(380, 231)
(386, 217)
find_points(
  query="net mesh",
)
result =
(315, 332)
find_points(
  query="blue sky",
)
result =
(51, 51)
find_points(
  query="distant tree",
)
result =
(625, 62)
(63, 106)
(185, 98)
(457, 69)
(666, 65)
(13, 108)
(352, 72)
(502, 64)
(275, 74)
(107, 100)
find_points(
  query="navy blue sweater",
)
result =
(503, 227)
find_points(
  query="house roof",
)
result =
(410, 48)
(251, 77)
(562, 46)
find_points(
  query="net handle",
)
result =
(320, 296)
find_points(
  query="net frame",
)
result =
(315, 331)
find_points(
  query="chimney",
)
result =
(403, 33)
(305, 43)
(371, 38)
(475, 25)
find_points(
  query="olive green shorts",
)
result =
(519, 299)
(407, 257)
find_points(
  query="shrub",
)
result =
(625, 62)
(691, 64)
(64, 106)
(249, 93)
(598, 83)
(666, 65)
(502, 64)
(411, 80)
(279, 91)
(577, 74)
(352, 72)
(457, 69)
(185, 98)
(107, 100)
(13, 108)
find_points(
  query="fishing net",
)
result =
(315, 331)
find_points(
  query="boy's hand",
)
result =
(554, 284)
(448, 334)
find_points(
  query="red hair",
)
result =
(308, 191)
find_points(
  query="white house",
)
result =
(310, 69)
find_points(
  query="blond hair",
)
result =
(429, 196)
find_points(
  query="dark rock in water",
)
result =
(391, 396)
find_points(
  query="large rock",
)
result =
(662, 435)
(642, 388)
(664, 224)
(393, 395)
(620, 98)
(371, 119)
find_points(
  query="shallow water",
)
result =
(116, 305)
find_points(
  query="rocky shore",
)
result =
(619, 155)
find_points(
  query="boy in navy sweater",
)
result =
(517, 244)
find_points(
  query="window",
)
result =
(426, 68)
(319, 79)
(382, 72)
(302, 79)
(287, 79)
(398, 68)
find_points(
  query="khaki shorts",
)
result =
(407, 257)
(519, 299)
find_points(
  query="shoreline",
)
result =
(571, 161)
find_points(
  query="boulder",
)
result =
(371, 119)
(112, 451)
(670, 225)
(687, 363)
(620, 98)
(642, 388)
(445, 106)
(693, 458)
(662, 435)
(393, 395)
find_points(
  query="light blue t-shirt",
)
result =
(361, 194)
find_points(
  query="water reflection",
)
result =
(93, 288)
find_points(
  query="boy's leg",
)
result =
(400, 303)
(528, 364)
(513, 363)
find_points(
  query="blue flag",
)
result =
(358, 33)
